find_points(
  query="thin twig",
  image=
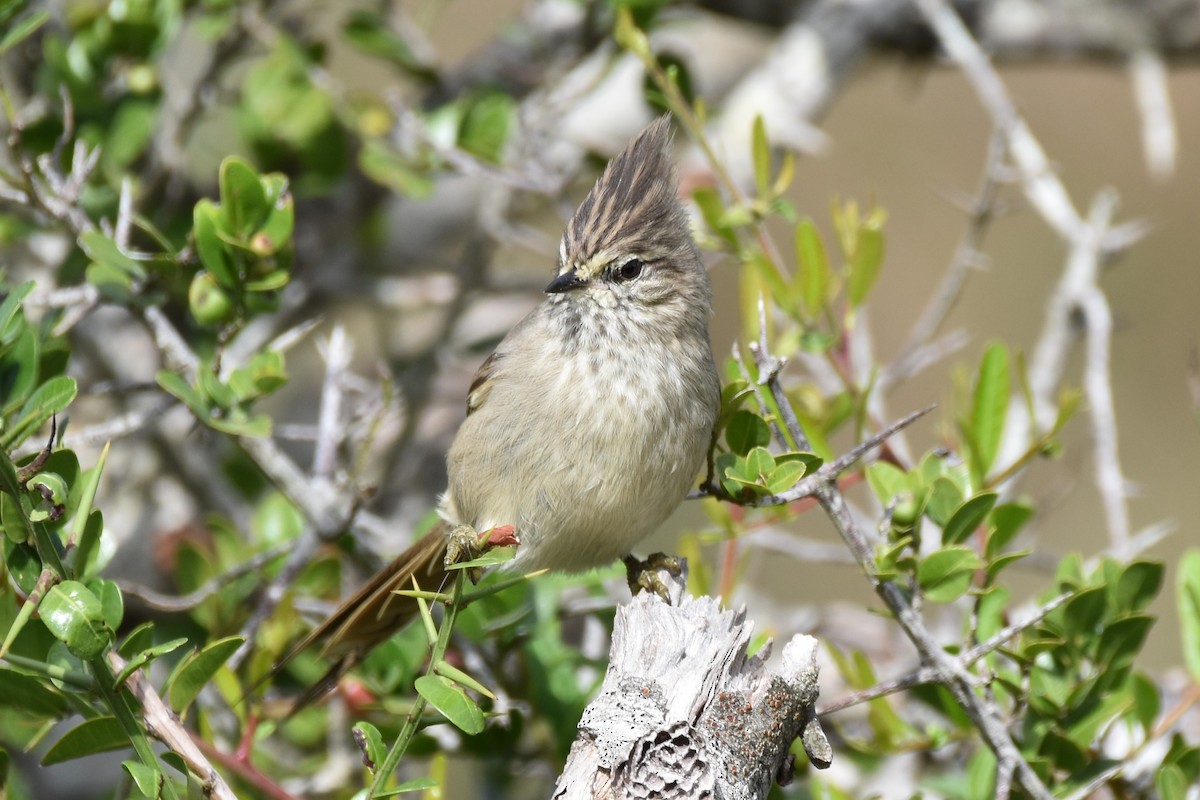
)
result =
(186, 602)
(1160, 139)
(163, 724)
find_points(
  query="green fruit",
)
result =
(209, 303)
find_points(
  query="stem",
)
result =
(385, 771)
(118, 702)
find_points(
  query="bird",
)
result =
(592, 419)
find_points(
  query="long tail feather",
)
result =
(371, 615)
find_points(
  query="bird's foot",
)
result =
(642, 574)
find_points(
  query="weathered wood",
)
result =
(684, 712)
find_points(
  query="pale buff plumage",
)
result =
(590, 422)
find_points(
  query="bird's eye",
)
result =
(630, 270)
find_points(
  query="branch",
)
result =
(954, 676)
(684, 712)
(163, 724)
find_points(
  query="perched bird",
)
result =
(592, 419)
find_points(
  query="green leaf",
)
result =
(762, 157)
(487, 125)
(19, 691)
(1122, 639)
(1171, 783)
(97, 735)
(944, 499)
(144, 657)
(1188, 600)
(945, 575)
(48, 399)
(887, 480)
(1083, 613)
(996, 565)
(104, 250)
(865, 263)
(370, 744)
(131, 129)
(382, 164)
(452, 702)
(87, 536)
(368, 32)
(213, 252)
(415, 785)
(451, 672)
(195, 671)
(21, 31)
(148, 779)
(969, 516)
(76, 617)
(112, 604)
(1138, 585)
(174, 385)
(244, 203)
(745, 431)
(1006, 521)
(759, 464)
(989, 408)
(785, 475)
(812, 279)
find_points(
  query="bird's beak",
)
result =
(564, 283)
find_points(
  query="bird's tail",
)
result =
(371, 615)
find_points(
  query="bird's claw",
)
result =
(642, 574)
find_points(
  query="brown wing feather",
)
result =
(481, 384)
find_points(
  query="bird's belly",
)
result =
(587, 480)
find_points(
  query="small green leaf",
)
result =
(370, 744)
(487, 125)
(382, 164)
(52, 397)
(945, 575)
(996, 565)
(865, 263)
(367, 31)
(762, 157)
(812, 279)
(148, 780)
(112, 604)
(448, 670)
(19, 691)
(415, 785)
(97, 735)
(1138, 585)
(1006, 521)
(1171, 783)
(886, 480)
(944, 499)
(76, 617)
(22, 30)
(174, 385)
(969, 516)
(244, 203)
(745, 431)
(785, 476)
(213, 252)
(195, 671)
(1122, 639)
(1188, 601)
(1083, 613)
(104, 250)
(989, 408)
(452, 702)
(759, 464)
(146, 656)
